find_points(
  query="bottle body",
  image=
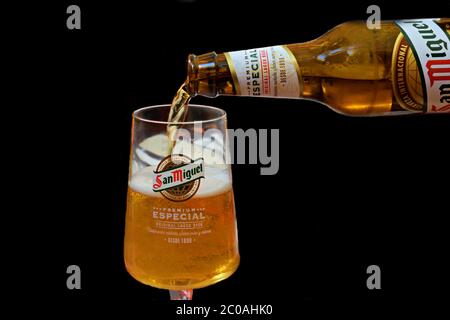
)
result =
(401, 68)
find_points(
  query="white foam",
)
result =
(216, 181)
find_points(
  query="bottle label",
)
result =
(268, 72)
(421, 66)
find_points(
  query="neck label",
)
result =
(268, 72)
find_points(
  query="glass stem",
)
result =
(181, 294)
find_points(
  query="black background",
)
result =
(359, 191)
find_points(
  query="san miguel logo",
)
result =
(421, 66)
(177, 177)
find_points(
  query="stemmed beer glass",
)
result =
(180, 229)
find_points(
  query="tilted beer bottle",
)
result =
(400, 68)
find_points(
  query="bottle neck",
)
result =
(209, 75)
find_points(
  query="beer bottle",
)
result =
(400, 68)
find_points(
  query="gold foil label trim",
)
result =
(236, 84)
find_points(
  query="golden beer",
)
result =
(179, 245)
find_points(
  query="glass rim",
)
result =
(222, 115)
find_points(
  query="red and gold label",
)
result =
(421, 66)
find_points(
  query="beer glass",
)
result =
(180, 230)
